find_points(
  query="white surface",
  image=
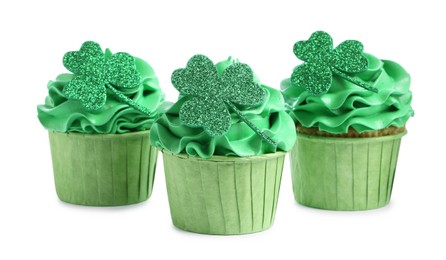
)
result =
(34, 224)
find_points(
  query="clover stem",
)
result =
(127, 100)
(354, 81)
(250, 124)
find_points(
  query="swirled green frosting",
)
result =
(63, 115)
(346, 105)
(170, 134)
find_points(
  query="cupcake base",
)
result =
(351, 133)
(344, 173)
(103, 169)
(223, 195)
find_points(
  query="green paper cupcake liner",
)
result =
(103, 169)
(344, 173)
(223, 195)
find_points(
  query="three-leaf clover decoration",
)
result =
(211, 94)
(93, 73)
(321, 61)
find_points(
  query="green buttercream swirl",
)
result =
(169, 133)
(348, 105)
(63, 115)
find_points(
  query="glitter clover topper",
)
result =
(93, 73)
(322, 61)
(212, 94)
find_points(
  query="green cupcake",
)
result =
(350, 111)
(223, 144)
(98, 119)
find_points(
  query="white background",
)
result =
(34, 35)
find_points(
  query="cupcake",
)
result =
(98, 118)
(223, 142)
(350, 110)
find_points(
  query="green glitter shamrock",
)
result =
(212, 94)
(93, 73)
(322, 61)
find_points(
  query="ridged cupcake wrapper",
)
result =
(223, 195)
(344, 173)
(103, 169)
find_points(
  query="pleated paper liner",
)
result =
(103, 169)
(223, 195)
(344, 173)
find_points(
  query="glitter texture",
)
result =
(93, 73)
(322, 61)
(211, 95)
(315, 79)
(239, 87)
(84, 89)
(348, 57)
(200, 78)
(318, 49)
(209, 113)
(121, 71)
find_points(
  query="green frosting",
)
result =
(348, 105)
(63, 115)
(169, 133)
